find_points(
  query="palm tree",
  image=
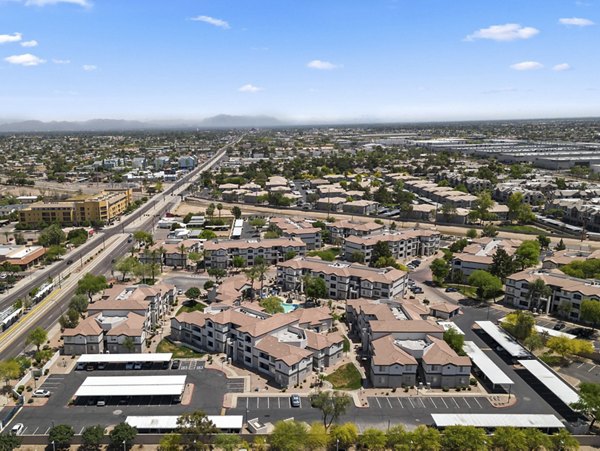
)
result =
(261, 271)
(182, 250)
(219, 207)
(162, 252)
(537, 291)
(251, 275)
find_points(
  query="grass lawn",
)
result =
(523, 229)
(327, 254)
(345, 377)
(179, 352)
(465, 290)
(195, 307)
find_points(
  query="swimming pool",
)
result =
(287, 308)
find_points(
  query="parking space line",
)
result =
(278, 402)
(444, 401)
(80, 432)
(23, 431)
(591, 369)
(477, 401)
(247, 401)
(36, 429)
(257, 402)
(47, 430)
(300, 402)
(581, 364)
(422, 402)
(411, 403)
(401, 405)
(465, 400)
(455, 402)
(431, 399)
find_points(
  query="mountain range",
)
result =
(98, 125)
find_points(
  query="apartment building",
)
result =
(302, 230)
(343, 228)
(283, 347)
(330, 204)
(403, 244)
(168, 253)
(361, 207)
(479, 255)
(566, 290)
(343, 280)
(104, 207)
(220, 253)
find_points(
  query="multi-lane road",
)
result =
(141, 219)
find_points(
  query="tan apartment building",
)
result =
(220, 253)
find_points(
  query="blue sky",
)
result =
(308, 60)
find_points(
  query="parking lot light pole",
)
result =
(124, 443)
(337, 444)
(53, 446)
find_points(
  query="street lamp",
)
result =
(124, 443)
(337, 444)
(53, 446)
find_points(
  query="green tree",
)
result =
(239, 261)
(258, 223)
(533, 342)
(458, 245)
(523, 324)
(227, 442)
(8, 442)
(481, 207)
(92, 437)
(439, 269)
(79, 303)
(142, 237)
(487, 285)
(516, 206)
(217, 273)
(544, 241)
(502, 264)
(70, 319)
(290, 254)
(455, 340)
(317, 437)
(61, 435)
(314, 287)
(528, 254)
(236, 212)
(589, 312)
(464, 438)
(122, 436)
(219, 207)
(509, 439)
(489, 230)
(126, 265)
(537, 291)
(425, 439)
(398, 438)
(381, 249)
(129, 344)
(472, 233)
(346, 435)
(357, 257)
(37, 337)
(170, 442)
(193, 293)
(207, 235)
(332, 405)
(589, 400)
(560, 246)
(288, 436)
(561, 345)
(536, 439)
(91, 284)
(272, 305)
(564, 441)
(372, 439)
(9, 370)
(208, 285)
(192, 426)
(51, 236)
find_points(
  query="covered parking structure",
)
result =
(504, 340)
(126, 389)
(553, 389)
(487, 367)
(121, 361)
(168, 423)
(547, 423)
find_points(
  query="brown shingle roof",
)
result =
(385, 352)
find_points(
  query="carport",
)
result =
(160, 359)
(496, 420)
(509, 344)
(168, 423)
(491, 371)
(551, 381)
(127, 387)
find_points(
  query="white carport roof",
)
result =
(503, 339)
(494, 420)
(553, 333)
(561, 389)
(125, 358)
(486, 365)
(169, 422)
(132, 386)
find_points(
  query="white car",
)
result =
(16, 429)
(40, 393)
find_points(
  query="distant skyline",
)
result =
(301, 62)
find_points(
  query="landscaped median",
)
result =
(179, 351)
(346, 377)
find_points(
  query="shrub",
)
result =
(473, 381)
(445, 389)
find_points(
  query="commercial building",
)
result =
(220, 253)
(23, 256)
(104, 207)
(343, 280)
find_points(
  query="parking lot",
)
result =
(584, 371)
(271, 402)
(191, 365)
(430, 403)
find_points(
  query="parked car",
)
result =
(16, 429)
(295, 401)
(69, 261)
(129, 366)
(175, 364)
(102, 366)
(451, 290)
(41, 393)
(559, 326)
(137, 366)
(101, 403)
(582, 332)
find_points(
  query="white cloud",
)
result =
(15, 37)
(506, 32)
(527, 65)
(321, 65)
(84, 3)
(250, 88)
(576, 21)
(32, 43)
(89, 67)
(561, 67)
(58, 61)
(27, 59)
(212, 21)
